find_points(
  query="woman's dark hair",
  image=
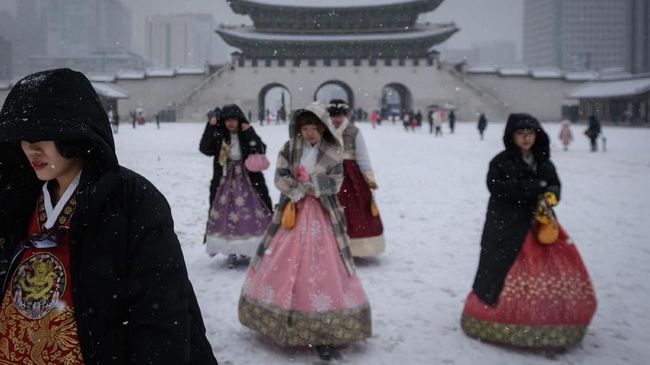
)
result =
(309, 118)
(74, 149)
(82, 150)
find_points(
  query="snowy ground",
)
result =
(432, 197)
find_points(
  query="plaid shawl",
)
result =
(327, 179)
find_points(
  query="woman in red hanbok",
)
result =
(526, 293)
(361, 215)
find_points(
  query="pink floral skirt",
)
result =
(301, 293)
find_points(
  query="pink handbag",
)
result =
(257, 162)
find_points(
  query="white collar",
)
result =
(53, 212)
(308, 146)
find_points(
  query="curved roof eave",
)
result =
(248, 34)
(245, 7)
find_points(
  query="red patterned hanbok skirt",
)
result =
(547, 300)
(364, 229)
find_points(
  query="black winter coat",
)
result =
(514, 189)
(250, 143)
(133, 301)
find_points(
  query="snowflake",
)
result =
(233, 217)
(239, 201)
(222, 200)
(267, 295)
(320, 302)
(260, 213)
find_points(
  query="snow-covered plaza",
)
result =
(432, 197)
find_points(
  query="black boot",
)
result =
(325, 352)
(232, 261)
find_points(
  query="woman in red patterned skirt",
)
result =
(363, 222)
(526, 293)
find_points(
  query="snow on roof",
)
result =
(130, 75)
(190, 71)
(514, 71)
(546, 73)
(331, 3)
(580, 75)
(101, 77)
(608, 89)
(481, 69)
(416, 33)
(110, 91)
(161, 72)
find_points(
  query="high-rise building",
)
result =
(581, 34)
(5, 59)
(26, 31)
(180, 40)
(640, 49)
(81, 27)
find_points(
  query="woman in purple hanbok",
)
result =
(241, 210)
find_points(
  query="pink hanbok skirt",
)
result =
(301, 293)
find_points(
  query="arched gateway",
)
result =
(366, 45)
(312, 47)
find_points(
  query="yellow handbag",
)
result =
(288, 220)
(548, 233)
(548, 230)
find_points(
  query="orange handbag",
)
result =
(288, 220)
(548, 233)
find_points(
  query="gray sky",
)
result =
(479, 20)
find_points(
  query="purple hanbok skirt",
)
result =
(238, 217)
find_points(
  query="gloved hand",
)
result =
(369, 178)
(550, 198)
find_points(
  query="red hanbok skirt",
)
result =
(547, 300)
(364, 229)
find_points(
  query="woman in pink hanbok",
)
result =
(301, 287)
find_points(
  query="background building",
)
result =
(640, 57)
(5, 59)
(180, 40)
(81, 27)
(26, 31)
(586, 34)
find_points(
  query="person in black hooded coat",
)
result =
(215, 134)
(132, 299)
(528, 291)
(514, 189)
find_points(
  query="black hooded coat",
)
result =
(133, 301)
(249, 142)
(514, 189)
